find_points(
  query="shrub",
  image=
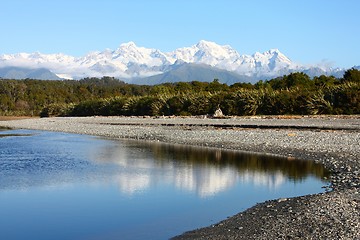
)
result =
(57, 109)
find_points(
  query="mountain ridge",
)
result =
(23, 73)
(187, 72)
(130, 61)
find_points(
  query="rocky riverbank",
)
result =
(332, 141)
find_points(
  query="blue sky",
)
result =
(307, 31)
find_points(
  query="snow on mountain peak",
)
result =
(215, 49)
(129, 53)
(206, 52)
(130, 60)
(276, 55)
(273, 51)
(128, 44)
(205, 45)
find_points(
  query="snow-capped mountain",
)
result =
(130, 61)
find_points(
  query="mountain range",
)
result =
(23, 73)
(203, 61)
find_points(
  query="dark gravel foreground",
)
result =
(331, 140)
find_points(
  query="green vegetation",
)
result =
(293, 94)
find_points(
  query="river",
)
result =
(68, 186)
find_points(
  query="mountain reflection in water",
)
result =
(205, 171)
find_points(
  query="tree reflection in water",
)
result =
(206, 171)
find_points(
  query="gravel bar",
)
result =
(331, 140)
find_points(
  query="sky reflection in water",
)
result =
(67, 186)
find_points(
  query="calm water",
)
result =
(67, 186)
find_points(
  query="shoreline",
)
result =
(331, 140)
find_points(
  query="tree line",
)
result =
(293, 94)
